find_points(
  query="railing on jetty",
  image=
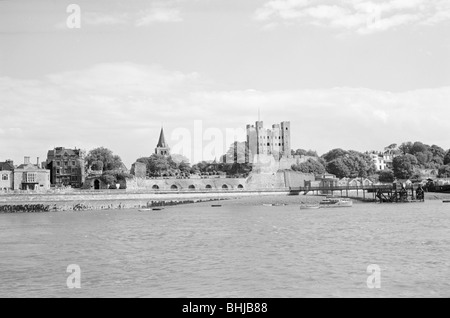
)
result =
(382, 192)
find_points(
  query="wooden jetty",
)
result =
(381, 193)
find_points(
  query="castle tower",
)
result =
(275, 141)
(162, 148)
(286, 138)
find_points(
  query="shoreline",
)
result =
(32, 204)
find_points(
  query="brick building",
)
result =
(66, 167)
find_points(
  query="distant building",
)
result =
(162, 148)
(378, 160)
(66, 167)
(388, 157)
(139, 169)
(6, 175)
(383, 159)
(7, 165)
(28, 176)
(263, 141)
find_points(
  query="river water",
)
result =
(242, 249)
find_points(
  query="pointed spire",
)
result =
(162, 141)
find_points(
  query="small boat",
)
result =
(309, 206)
(274, 204)
(445, 201)
(335, 203)
(329, 203)
(150, 209)
(216, 205)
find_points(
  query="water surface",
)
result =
(242, 249)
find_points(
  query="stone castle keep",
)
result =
(263, 141)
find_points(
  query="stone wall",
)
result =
(186, 184)
(256, 181)
(297, 179)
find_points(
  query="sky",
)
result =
(356, 75)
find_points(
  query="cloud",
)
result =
(159, 14)
(96, 18)
(360, 16)
(122, 106)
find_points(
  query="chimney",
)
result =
(26, 160)
(37, 162)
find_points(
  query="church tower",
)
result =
(162, 148)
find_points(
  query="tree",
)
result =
(334, 154)
(391, 147)
(312, 153)
(97, 165)
(447, 157)
(444, 171)
(157, 165)
(106, 156)
(338, 168)
(386, 176)
(359, 164)
(310, 166)
(418, 147)
(298, 152)
(405, 147)
(404, 166)
(112, 177)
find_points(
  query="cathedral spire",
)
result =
(162, 148)
(162, 141)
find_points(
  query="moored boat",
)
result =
(150, 209)
(335, 203)
(309, 206)
(329, 203)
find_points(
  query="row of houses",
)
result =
(63, 167)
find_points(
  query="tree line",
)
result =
(410, 159)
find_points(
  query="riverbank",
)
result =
(102, 201)
(120, 200)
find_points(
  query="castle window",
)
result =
(5, 177)
(58, 163)
(73, 163)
